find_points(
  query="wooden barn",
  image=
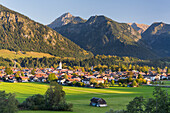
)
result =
(98, 102)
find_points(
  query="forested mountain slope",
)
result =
(101, 35)
(157, 36)
(19, 33)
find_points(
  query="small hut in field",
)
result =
(98, 102)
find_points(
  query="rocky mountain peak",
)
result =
(66, 15)
(157, 28)
(65, 19)
(139, 27)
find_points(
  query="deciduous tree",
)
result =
(52, 77)
(8, 70)
(8, 103)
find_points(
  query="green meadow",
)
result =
(13, 55)
(167, 83)
(116, 97)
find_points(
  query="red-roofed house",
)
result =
(100, 80)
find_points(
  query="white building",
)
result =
(60, 65)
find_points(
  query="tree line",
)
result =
(100, 62)
(159, 103)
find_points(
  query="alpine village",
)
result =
(76, 65)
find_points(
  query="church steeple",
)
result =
(60, 65)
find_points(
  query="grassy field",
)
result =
(116, 97)
(13, 55)
(167, 83)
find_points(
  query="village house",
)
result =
(61, 80)
(86, 81)
(100, 80)
(66, 76)
(152, 77)
(69, 81)
(164, 76)
(105, 78)
(24, 79)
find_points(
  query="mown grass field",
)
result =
(116, 97)
(13, 55)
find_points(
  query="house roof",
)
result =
(99, 79)
(76, 79)
(24, 78)
(98, 100)
(63, 70)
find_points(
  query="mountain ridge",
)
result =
(158, 37)
(20, 33)
(139, 27)
(65, 19)
(99, 34)
(102, 35)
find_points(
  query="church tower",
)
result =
(15, 65)
(60, 65)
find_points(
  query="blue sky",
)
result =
(128, 11)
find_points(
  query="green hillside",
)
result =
(6, 62)
(19, 33)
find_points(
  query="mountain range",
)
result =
(102, 35)
(73, 36)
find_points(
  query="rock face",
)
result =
(139, 27)
(101, 35)
(66, 19)
(19, 33)
(158, 37)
